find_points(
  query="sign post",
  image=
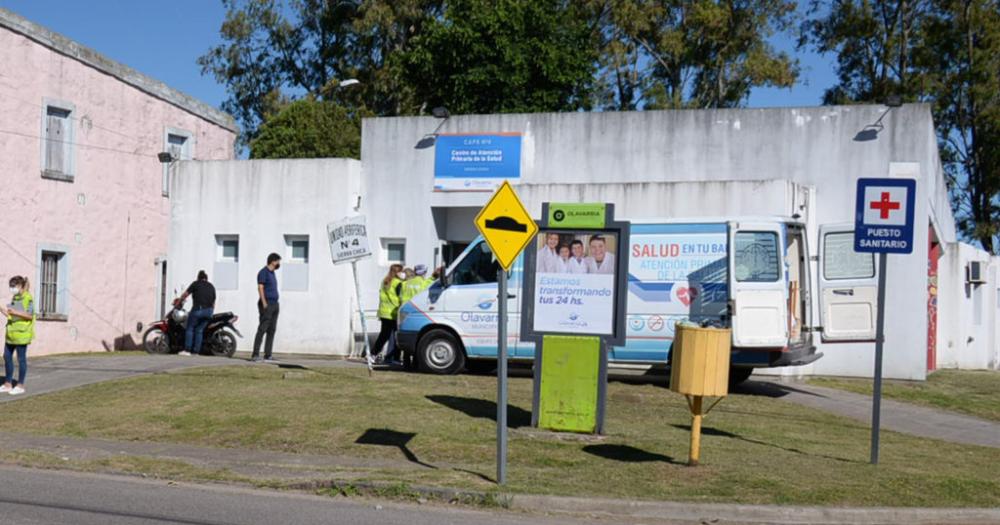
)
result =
(883, 224)
(507, 228)
(573, 309)
(349, 243)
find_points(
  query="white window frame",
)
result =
(69, 140)
(384, 243)
(61, 312)
(289, 249)
(187, 153)
(226, 270)
(220, 254)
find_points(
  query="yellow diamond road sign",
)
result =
(506, 225)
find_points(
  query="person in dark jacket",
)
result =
(267, 306)
(202, 295)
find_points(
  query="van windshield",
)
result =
(477, 267)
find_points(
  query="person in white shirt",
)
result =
(576, 263)
(548, 257)
(563, 258)
(600, 261)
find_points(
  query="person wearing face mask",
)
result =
(388, 310)
(20, 316)
(267, 306)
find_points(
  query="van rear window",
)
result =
(841, 262)
(757, 259)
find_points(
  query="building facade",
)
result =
(85, 197)
(791, 162)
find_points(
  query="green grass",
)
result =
(972, 392)
(755, 449)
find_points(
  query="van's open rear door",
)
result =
(848, 286)
(757, 283)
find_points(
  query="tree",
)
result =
(690, 53)
(502, 56)
(273, 48)
(308, 128)
(875, 43)
(945, 52)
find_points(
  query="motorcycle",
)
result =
(166, 336)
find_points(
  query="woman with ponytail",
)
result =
(20, 314)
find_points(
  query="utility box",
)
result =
(699, 361)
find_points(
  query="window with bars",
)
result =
(48, 288)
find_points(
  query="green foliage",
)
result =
(486, 56)
(690, 53)
(944, 52)
(308, 128)
(483, 56)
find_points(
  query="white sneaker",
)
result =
(185, 352)
(5, 388)
(17, 390)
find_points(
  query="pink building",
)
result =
(85, 200)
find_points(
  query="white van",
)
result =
(752, 275)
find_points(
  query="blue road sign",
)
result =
(883, 218)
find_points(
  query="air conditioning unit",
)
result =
(974, 273)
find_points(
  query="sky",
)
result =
(163, 40)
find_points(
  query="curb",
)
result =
(675, 512)
(758, 514)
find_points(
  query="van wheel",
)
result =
(738, 374)
(440, 353)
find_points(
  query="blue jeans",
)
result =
(8, 362)
(196, 324)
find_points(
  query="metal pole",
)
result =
(879, 342)
(361, 312)
(502, 380)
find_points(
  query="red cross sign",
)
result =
(884, 205)
(883, 215)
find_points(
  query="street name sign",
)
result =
(348, 239)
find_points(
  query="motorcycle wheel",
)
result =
(156, 341)
(222, 344)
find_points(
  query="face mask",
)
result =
(277, 267)
(401, 276)
(14, 290)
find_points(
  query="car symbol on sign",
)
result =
(506, 224)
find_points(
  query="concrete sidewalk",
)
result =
(896, 416)
(53, 373)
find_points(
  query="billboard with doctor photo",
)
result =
(575, 282)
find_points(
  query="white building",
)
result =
(227, 216)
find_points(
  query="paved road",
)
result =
(899, 417)
(31, 497)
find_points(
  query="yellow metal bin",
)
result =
(699, 362)
(699, 368)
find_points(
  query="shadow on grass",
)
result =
(391, 438)
(480, 408)
(627, 454)
(709, 431)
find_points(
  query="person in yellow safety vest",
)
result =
(414, 285)
(20, 316)
(388, 309)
